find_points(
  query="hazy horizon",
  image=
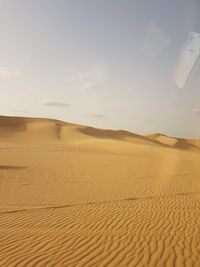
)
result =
(105, 64)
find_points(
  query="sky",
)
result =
(105, 63)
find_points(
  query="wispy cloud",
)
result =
(10, 72)
(75, 75)
(83, 80)
(96, 116)
(55, 104)
(156, 41)
(89, 86)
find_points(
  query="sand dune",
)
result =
(72, 195)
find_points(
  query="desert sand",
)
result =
(73, 195)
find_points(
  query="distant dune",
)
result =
(45, 130)
(73, 195)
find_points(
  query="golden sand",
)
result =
(73, 195)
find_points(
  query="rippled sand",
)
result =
(77, 196)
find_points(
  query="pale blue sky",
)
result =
(104, 63)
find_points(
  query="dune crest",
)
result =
(45, 130)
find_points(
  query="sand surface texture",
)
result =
(73, 195)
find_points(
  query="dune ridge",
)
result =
(73, 195)
(11, 127)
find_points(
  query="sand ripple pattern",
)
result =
(144, 232)
(80, 197)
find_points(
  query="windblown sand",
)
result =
(77, 196)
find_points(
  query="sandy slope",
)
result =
(72, 195)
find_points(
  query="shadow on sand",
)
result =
(10, 167)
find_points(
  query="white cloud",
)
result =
(89, 86)
(156, 41)
(82, 79)
(77, 76)
(10, 73)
